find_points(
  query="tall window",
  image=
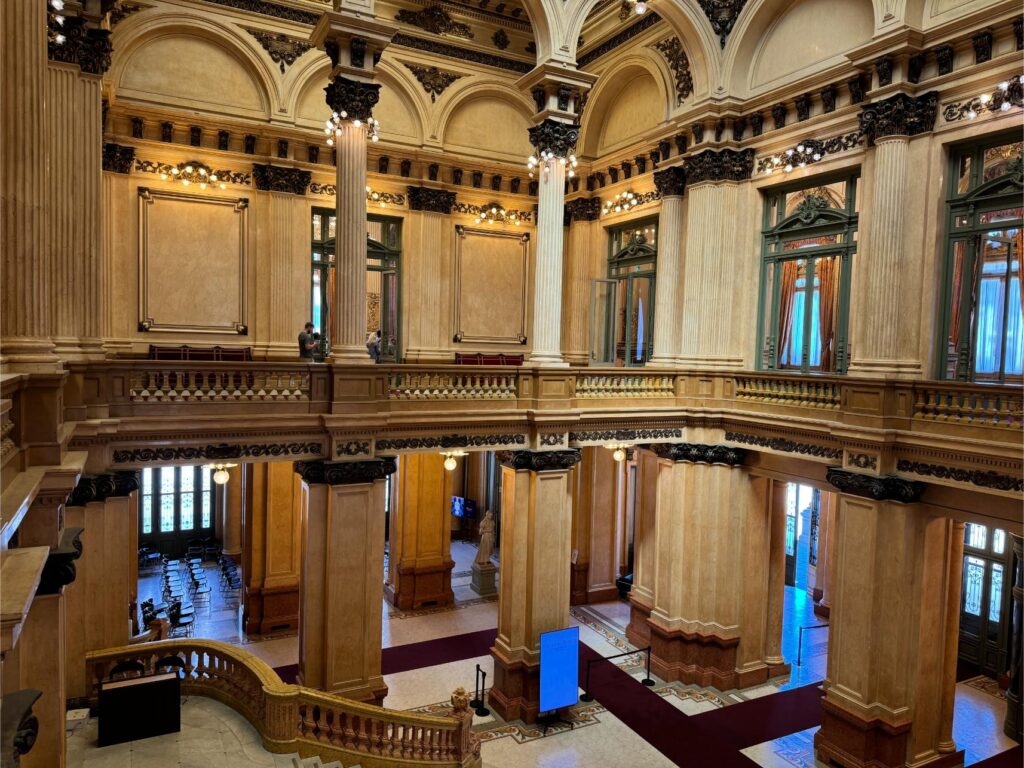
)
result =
(809, 238)
(324, 232)
(623, 304)
(982, 310)
(176, 500)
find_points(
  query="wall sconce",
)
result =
(192, 172)
(451, 459)
(623, 201)
(493, 213)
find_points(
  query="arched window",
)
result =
(981, 336)
(809, 238)
(175, 500)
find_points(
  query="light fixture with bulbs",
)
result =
(382, 199)
(451, 459)
(1005, 96)
(339, 122)
(808, 152)
(193, 173)
(639, 6)
(622, 201)
(493, 213)
(620, 451)
(220, 472)
(55, 22)
(544, 160)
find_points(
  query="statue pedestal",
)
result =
(483, 579)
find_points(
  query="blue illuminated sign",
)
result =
(559, 669)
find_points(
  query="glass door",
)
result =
(639, 319)
(389, 316)
(602, 321)
(984, 604)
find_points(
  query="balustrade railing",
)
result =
(624, 385)
(452, 385)
(292, 718)
(789, 390)
(187, 383)
(984, 405)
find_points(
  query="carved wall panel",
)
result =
(491, 285)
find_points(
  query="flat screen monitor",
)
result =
(559, 669)
(458, 506)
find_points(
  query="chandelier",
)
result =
(339, 120)
(495, 214)
(623, 201)
(451, 459)
(220, 472)
(546, 158)
(619, 450)
(192, 172)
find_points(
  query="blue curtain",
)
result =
(1014, 337)
(793, 354)
(640, 332)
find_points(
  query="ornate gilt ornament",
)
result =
(88, 47)
(355, 99)
(672, 49)
(698, 453)
(583, 209)
(1006, 95)
(275, 178)
(494, 212)
(726, 165)
(449, 441)
(899, 115)
(221, 451)
(540, 461)
(436, 20)
(345, 472)
(671, 181)
(432, 200)
(978, 477)
(187, 171)
(118, 158)
(785, 445)
(624, 435)
(808, 151)
(379, 199)
(555, 137)
(722, 14)
(500, 40)
(282, 49)
(888, 488)
(434, 81)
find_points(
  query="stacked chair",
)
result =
(230, 576)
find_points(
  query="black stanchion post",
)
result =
(648, 681)
(482, 710)
(477, 699)
(586, 685)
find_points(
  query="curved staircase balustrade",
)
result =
(292, 718)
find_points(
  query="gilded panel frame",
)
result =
(524, 241)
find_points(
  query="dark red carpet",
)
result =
(1011, 758)
(430, 653)
(770, 717)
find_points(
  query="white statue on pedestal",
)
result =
(486, 548)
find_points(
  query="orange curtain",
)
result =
(954, 314)
(787, 290)
(827, 271)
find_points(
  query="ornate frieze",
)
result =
(59, 569)
(436, 20)
(583, 209)
(88, 47)
(899, 115)
(282, 49)
(555, 136)
(276, 178)
(698, 453)
(726, 165)
(981, 478)
(722, 14)
(464, 54)
(672, 49)
(808, 151)
(265, 8)
(887, 488)
(646, 21)
(670, 181)
(500, 40)
(356, 99)
(785, 445)
(167, 171)
(352, 448)
(484, 211)
(1012, 95)
(345, 472)
(625, 435)
(118, 158)
(540, 461)
(434, 81)
(219, 452)
(429, 199)
(449, 441)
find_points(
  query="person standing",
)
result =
(373, 345)
(307, 342)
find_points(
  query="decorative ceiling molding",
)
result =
(463, 54)
(500, 39)
(283, 50)
(672, 49)
(888, 488)
(266, 8)
(215, 452)
(434, 81)
(646, 21)
(722, 14)
(980, 478)
(436, 20)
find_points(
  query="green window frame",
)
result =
(175, 500)
(809, 238)
(632, 273)
(981, 321)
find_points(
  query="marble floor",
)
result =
(597, 738)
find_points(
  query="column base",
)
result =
(638, 631)
(886, 369)
(350, 356)
(272, 609)
(546, 360)
(22, 354)
(699, 659)
(515, 694)
(482, 580)
(421, 586)
(850, 741)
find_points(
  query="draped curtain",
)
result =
(787, 292)
(827, 270)
(958, 281)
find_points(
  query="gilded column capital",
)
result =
(118, 158)
(899, 115)
(555, 136)
(583, 209)
(431, 200)
(88, 47)
(276, 178)
(671, 181)
(540, 461)
(726, 165)
(887, 488)
(699, 453)
(345, 472)
(354, 98)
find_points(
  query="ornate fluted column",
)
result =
(340, 612)
(668, 310)
(775, 601)
(353, 45)
(26, 312)
(579, 257)
(711, 283)
(885, 341)
(536, 532)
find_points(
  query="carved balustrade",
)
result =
(458, 384)
(617, 384)
(291, 718)
(971, 404)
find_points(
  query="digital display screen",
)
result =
(458, 506)
(559, 669)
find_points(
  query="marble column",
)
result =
(823, 575)
(708, 622)
(553, 141)
(889, 668)
(232, 503)
(420, 562)
(645, 554)
(885, 335)
(1013, 725)
(340, 613)
(579, 274)
(41, 662)
(536, 522)
(668, 309)
(429, 276)
(776, 575)
(596, 481)
(25, 345)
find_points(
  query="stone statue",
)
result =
(486, 548)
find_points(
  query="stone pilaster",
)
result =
(25, 345)
(668, 309)
(895, 603)
(429, 277)
(41, 663)
(536, 528)
(342, 590)
(578, 271)
(420, 562)
(645, 549)
(232, 509)
(886, 332)
(596, 484)
(1013, 725)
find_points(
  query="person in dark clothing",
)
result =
(307, 342)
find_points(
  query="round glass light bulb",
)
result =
(619, 454)
(450, 463)
(221, 476)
